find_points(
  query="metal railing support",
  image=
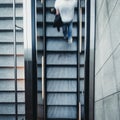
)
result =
(15, 59)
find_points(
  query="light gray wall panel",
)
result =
(109, 82)
(98, 5)
(102, 18)
(98, 87)
(111, 108)
(99, 111)
(107, 77)
(116, 59)
(110, 5)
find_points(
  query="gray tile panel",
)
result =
(107, 61)
(111, 108)
(99, 111)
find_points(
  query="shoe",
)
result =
(70, 40)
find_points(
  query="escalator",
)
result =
(61, 71)
(63, 66)
(12, 83)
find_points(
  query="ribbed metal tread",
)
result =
(12, 103)
(11, 115)
(10, 5)
(61, 119)
(11, 55)
(10, 17)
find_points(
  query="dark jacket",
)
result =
(57, 21)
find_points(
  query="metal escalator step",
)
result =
(68, 59)
(9, 30)
(8, 24)
(57, 105)
(61, 78)
(61, 51)
(8, 12)
(61, 112)
(61, 119)
(10, 5)
(10, 1)
(50, 31)
(62, 72)
(57, 78)
(61, 65)
(11, 18)
(62, 92)
(7, 80)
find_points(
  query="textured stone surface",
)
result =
(107, 79)
(111, 108)
(99, 110)
(98, 87)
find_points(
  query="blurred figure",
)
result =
(66, 10)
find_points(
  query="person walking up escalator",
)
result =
(66, 10)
